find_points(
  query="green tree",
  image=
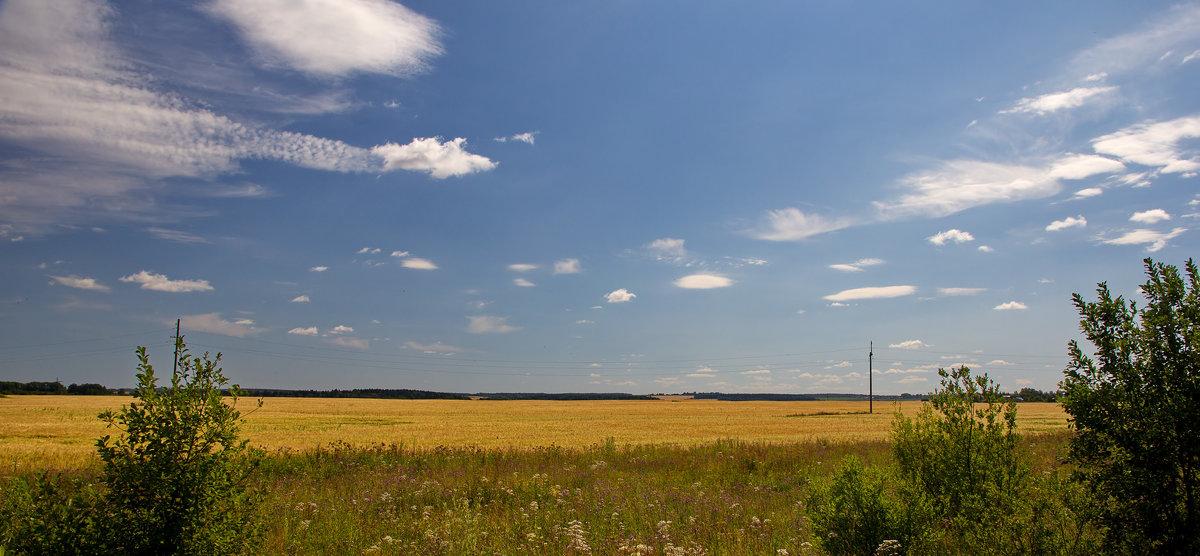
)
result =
(177, 477)
(1135, 408)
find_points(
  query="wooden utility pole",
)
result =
(175, 367)
(871, 378)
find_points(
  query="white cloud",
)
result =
(756, 372)
(318, 269)
(522, 267)
(335, 37)
(620, 296)
(368, 251)
(523, 283)
(912, 380)
(1150, 216)
(341, 329)
(310, 331)
(301, 299)
(1154, 144)
(668, 248)
(961, 291)
(1088, 192)
(871, 293)
(856, 266)
(909, 344)
(244, 322)
(159, 282)
(1079, 166)
(1011, 306)
(80, 283)
(985, 249)
(399, 254)
(1068, 222)
(1195, 54)
(487, 324)
(214, 324)
(355, 343)
(430, 154)
(436, 348)
(953, 236)
(1157, 240)
(418, 264)
(1174, 29)
(790, 224)
(567, 266)
(997, 363)
(703, 281)
(527, 137)
(1053, 102)
(962, 184)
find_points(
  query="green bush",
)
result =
(861, 508)
(175, 481)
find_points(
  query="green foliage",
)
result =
(177, 476)
(1134, 408)
(175, 481)
(961, 449)
(862, 508)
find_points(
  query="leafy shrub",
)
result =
(862, 508)
(1134, 409)
(175, 481)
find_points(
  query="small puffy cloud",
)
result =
(436, 348)
(1150, 216)
(159, 282)
(341, 329)
(487, 324)
(430, 154)
(418, 264)
(1011, 306)
(856, 266)
(1053, 102)
(909, 344)
(703, 281)
(667, 248)
(985, 249)
(1157, 240)
(1088, 192)
(368, 251)
(1068, 222)
(356, 343)
(301, 299)
(997, 363)
(74, 281)
(527, 137)
(310, 331)
(842, 365)
(1154, 144)
(620, 296)
(522, 267)
(399, 254)
(960, 291)
(871, 293)
(912, 380)
(756, 372)
(318, 269)
(585, 321)
(214, 324)
(790, 224)
(1079, 166)
(523, 283)
(952, 236)
(335, 38)
(567, 266)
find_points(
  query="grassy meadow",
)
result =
(674, 476)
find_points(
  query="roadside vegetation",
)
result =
(956, 477)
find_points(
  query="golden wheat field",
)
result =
(60, 431)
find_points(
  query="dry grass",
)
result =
(60, 431)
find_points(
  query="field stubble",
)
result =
(59, 432)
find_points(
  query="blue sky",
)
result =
(556, 196)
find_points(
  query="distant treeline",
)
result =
(88, 389)
(734, 397)
(562, 397)
(380, 393)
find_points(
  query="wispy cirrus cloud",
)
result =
(856, 266)
(1052, 102)
(790, 224)
(436, 348)
(955, 292)
(909, 344)
(879, 292)
(488, 324)
(1154, 239)
(1155, 144)
(214, 324)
